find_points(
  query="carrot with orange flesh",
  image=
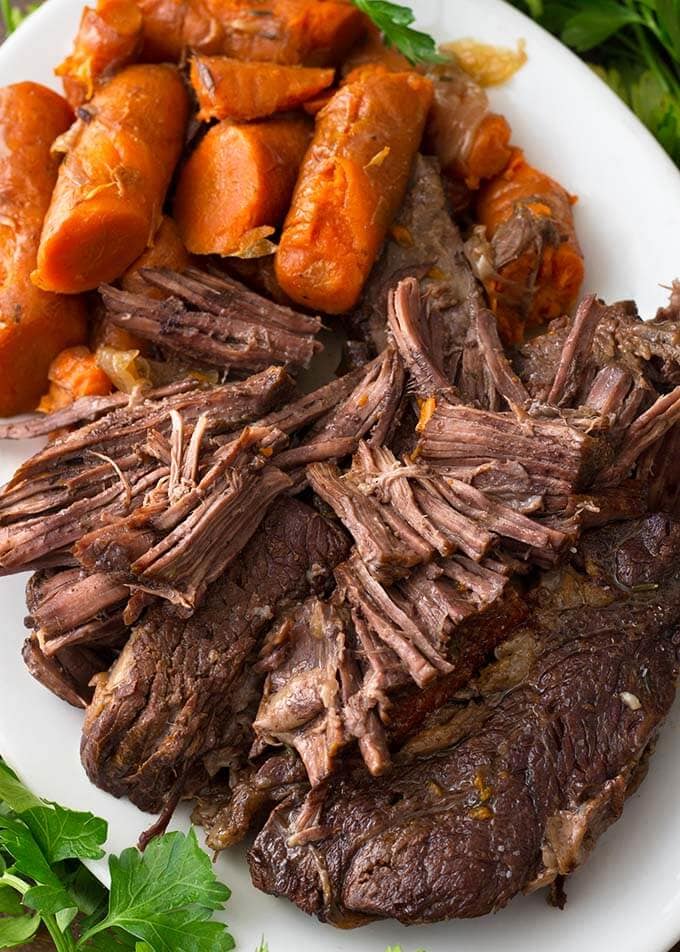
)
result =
(537, 266)
(34, 325)
(237, 185)
(165, 251)
(107, 203)
(74, 373)
(229, 89)
(471, 142)
(290, 32)
(109, 38)
(351, 186)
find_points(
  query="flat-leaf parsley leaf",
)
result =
(395, 23)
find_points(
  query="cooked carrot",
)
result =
(351, 185)
(539, 279)
(165, 251)
(291, 32)
(372, 50)
(73, 373)
(108, 39)
(229, 89)
(470, 141)
(34, 325)
(107, 203)
(240, 178)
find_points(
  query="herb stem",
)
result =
(63, 941)
(651, 60)
(651, 24)
(99, 927)
(6, 12)
(669, 65)
(18, 884)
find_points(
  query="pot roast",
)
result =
(415, 630)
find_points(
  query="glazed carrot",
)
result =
(351, 185)
(229, 89)
(240, 178)
(539, 278)
(73, 373)
(470, 141)
(165, 251)
(34, 325)
(107, 203)
(290, 32)
(108, 39)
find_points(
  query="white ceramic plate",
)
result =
(627, 897)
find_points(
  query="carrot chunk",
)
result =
(109, 38)
(165, 251)
(525, 210)
(73, 373)
(34, 325)
(107, 203)
(239, 179)
(290, 32)
(351, 185)
(229, 89)
(470, 141)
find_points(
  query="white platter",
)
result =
(627, 897)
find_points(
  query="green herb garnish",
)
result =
(13, 16)
(394, 21)
(162, 900)
(634, 45)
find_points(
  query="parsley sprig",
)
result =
(162, 900)
(634, 45)
(395, 23)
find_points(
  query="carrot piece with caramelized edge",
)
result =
(238, 183)
(537, 265)
(351, 185)
(73, 373)
(290, 32)
(109, 38)
(107, 203)
(229, 89)
(165, 251)
(34, 325)
(471, 142)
